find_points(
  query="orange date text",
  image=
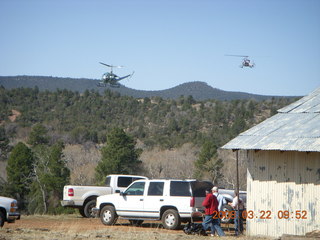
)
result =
(262, 214)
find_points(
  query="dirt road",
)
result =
(67, 227)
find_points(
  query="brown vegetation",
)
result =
(174, 163)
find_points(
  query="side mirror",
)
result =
(123, 194)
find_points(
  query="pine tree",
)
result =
(119, 156)
(38, 135)
(208, 163)
(4, 145)
(19, 170)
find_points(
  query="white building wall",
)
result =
(283, 182)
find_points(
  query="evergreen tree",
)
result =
(208, 164)
(19, 171)
(119, 155)
(38, 135)
(4, 145)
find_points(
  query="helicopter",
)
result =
(246, 62)
(111, 79)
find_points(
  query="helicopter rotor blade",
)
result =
(105, 64)
(110, 65)
(229, 55)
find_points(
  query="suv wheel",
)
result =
(108, 215)
(227, 209)
(171, 219)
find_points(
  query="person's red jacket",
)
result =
(211, 204)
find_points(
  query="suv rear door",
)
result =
(180, 196)
(154, 199)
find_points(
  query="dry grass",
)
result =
(74, 227)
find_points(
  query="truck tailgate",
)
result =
(75, 193)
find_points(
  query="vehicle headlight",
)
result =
(13, 206)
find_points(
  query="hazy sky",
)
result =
(166, 42)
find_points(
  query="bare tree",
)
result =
(229, 170)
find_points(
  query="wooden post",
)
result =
(237, 169)
(238, 194)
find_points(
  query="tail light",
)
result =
(70, 192)
(192, 201)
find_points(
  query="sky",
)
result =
(167, 42)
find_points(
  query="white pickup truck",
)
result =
(8, 210)
(84, 197)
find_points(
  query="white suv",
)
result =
(172, 201)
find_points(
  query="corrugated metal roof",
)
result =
(295, 128)
(307, 104)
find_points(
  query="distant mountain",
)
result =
(198, 90)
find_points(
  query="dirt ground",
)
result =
(74, 227)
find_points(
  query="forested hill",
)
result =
(78, 118)
(198, 90)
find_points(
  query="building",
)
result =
(283, 175)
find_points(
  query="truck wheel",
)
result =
(171, 219)
(1, 219)
(226, 219)
(136, 222)
(88, 208)
(108, 215)
(81, 211)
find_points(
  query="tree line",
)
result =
(78, 118)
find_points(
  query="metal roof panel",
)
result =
(296, 127)
(309, 103)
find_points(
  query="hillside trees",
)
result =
(119, 155)
(78, 118)
(19, 171)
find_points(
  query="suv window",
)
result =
(155, 189)
(179, 188)
(199, 188)
(136, 189)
